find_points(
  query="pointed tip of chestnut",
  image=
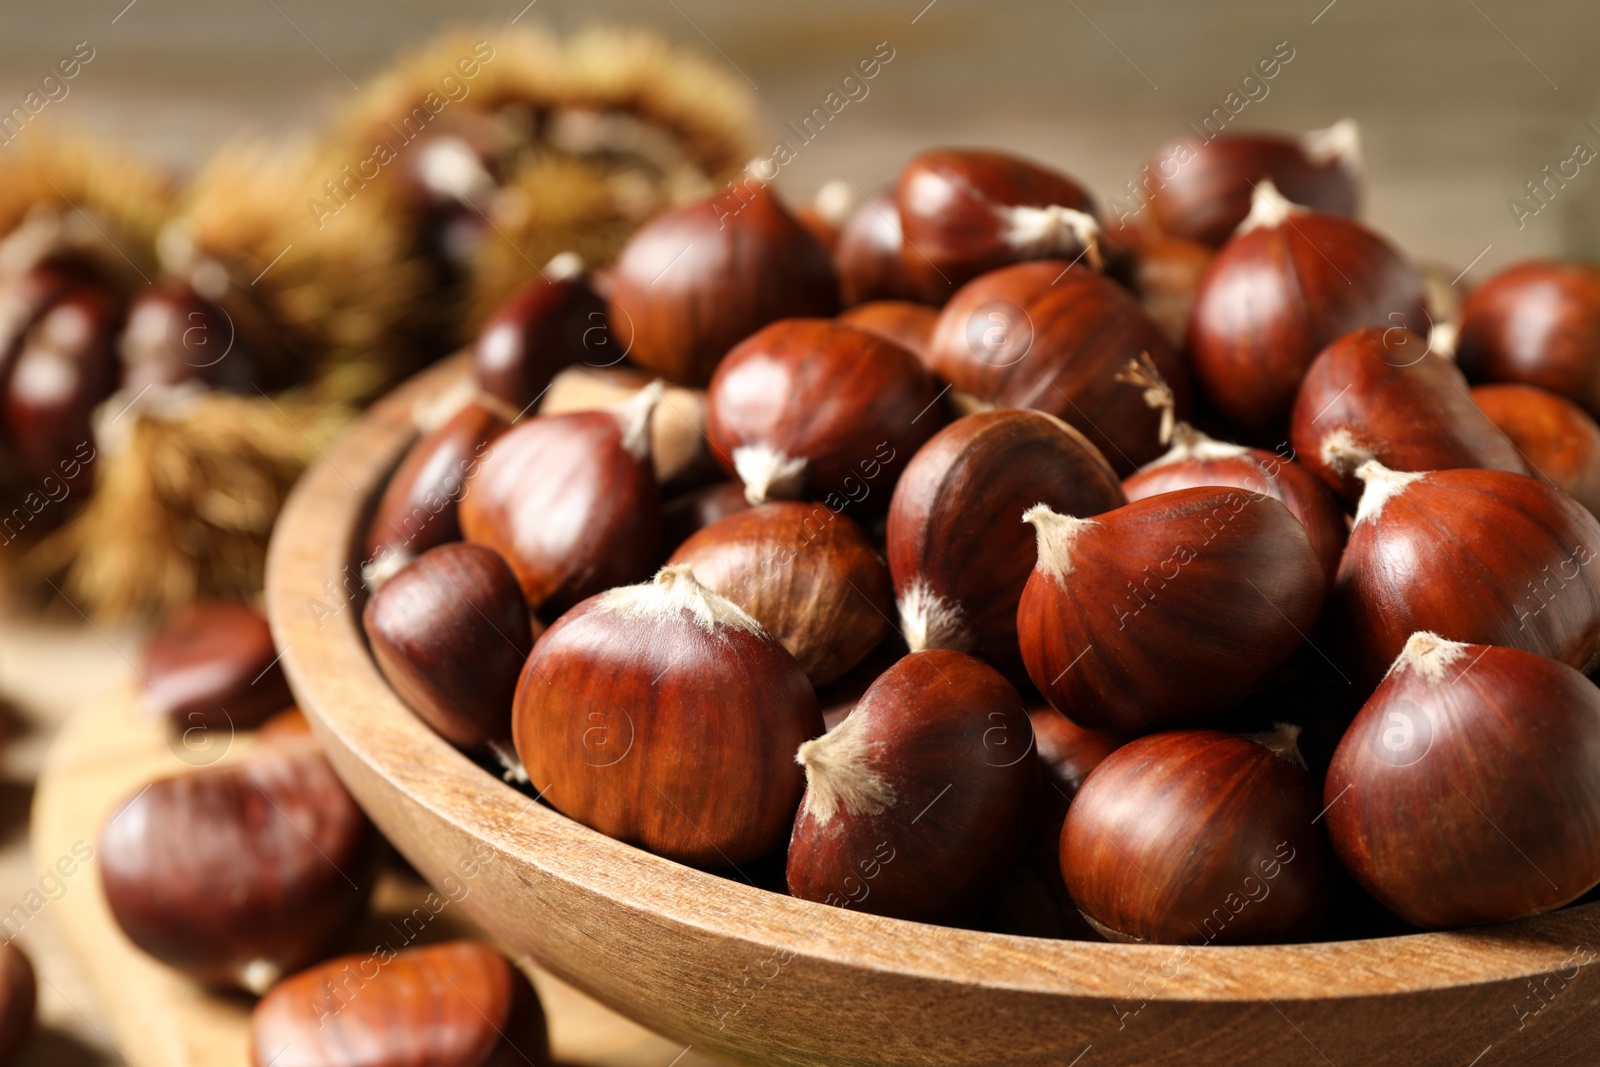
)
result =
(1268, 208)
(928, 620)
(1056, 533)
(767, 473)
(1343, 451)
(1283, 741)
(1429, 655)
(1339, 143)
(839, 773)
(634, 417)
(673, 591)
(1041, 232)
(1382, 484)
(564, 266)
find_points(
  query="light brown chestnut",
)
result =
(678, 448)
(1557, 438)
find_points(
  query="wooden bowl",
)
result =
(758, 978)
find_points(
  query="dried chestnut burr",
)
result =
(240, 873)
(806, 573)
(19, 997)
(1046, 336)
(922, 797)
(907, 324)
(1168, 611)
(1382, 394)
(1537, 323)
(1284, 287)
(450, 631)
(212, 665)
(570, 501)
(65, 365)
(867, 255)
(810, 408)
(1557, 438)
(695, 280)
(553, 322)
(453, 1003)
(1209, 190)
(1465, 792)
(958, 550)
(965, 212)
(1481, 556)
(420, 507)
(1199, 837)
(644, 711)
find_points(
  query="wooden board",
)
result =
(157, 1018)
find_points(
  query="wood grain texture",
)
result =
(763, 979)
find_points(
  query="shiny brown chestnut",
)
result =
(66, 365)
(1483, 556)
(968, 211)
(19, 997)
(1165, 273)
(175, 335)
(212, 665)
(1537, 323)
(907, 324)
(917, 803)
(811, 408)
(1054, 337)
(1201, 190)
(958, 550)
(1067, 753)
(645, 709)
(459, 1002)
(450, 631)
(240, 873)
(1464, 792)
(806, 573)
(1557, 438)
(551, 323)
(695, 280)
(570, 501)
(678, 449)
(1383, 394)
(1168, 611)
(1198, 837)
(420, 507)
(1285, 286)
(867, 255)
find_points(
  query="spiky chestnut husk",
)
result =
(1168, 611)
(1465, 792)
(1557, 438)
(921, 799)
(644, 709)
(1537, 323)
(1199, 837)
(959, 555)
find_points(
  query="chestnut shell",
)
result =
(1537, 323)
(1557, 438)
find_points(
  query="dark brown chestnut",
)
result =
(1198, 837)
(1168, 611)
(453, 1003)
(212, 665)
(240, 873)
(907, 324)
(917, 803)
(964, 212)
(958, 550)
(551, 323)
(1288, 284)
(1382, 394)
(66, 365)
(867, 256)
(1555, 437)
(450, 632)
(1046, 336)
(1537, 323)
(643, 710)
(1067, 753)
(809, 408)
(695, 280)
(688, 513)
(175, 335)
(19, 998)
(806, 573)
(1465, 792)
(570, 501)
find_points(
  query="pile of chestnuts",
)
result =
(1020, 570)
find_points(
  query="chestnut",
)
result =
(1465, 792)
(1167, 611)
(420, 507)
(212, 665)
(570, 501)
(921, 797)
(1537, 323)
(551, 323)
(811, 408)
(867, 254)
(19, 998)
(696, 279)
(968, 211)
(176, 335)
(1482, 556)
(1209, 189)
(1288, 284)
(1165, 273)
(1199, 837)
(678, 448)
(806, 573)
(690, 512)
(645, 709)
(1382, 394)
(458, 1002)
(1557, 438)
(454, 605)
(907, 324)
(957, 550)
(1048, 336)
(239, 873)
(827, 211)
(66, 365)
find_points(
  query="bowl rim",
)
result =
(325, 653)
